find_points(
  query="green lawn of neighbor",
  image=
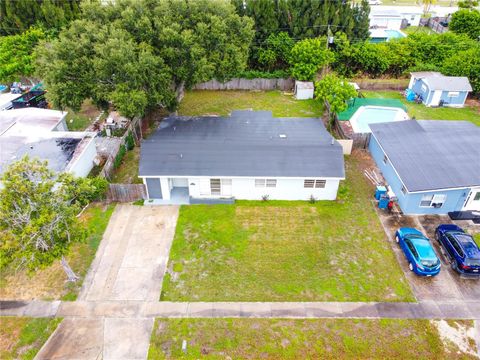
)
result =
(303, 339)
(22, 337)
(49, 283)
(477, 238)
(206, 102)
(421, 112)
(286, 251)
(80, 120)
(127, 172)
(418, 30)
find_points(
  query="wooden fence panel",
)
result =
(126, 192)
(248, 84)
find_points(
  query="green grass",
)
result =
(79, 121)
(22, 338)
(301, 339)
(49, 283)
(418, 30)
(204, 102)
(127, 172)
(286, 251)
(477, 238)
(421, 112)
(414, 3)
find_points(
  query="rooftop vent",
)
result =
(282, 136)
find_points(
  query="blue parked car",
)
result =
(418, 250)
(460, 248)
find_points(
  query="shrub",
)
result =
(129, 141)
(99, 188)
(118, 159)
(265, 197)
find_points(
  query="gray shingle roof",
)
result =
(448, 83)
(246, 144)
(432, 154)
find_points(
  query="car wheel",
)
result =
(410, 266)
(397, 239)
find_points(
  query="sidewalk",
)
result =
(153, 309)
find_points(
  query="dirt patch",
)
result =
(460, 335)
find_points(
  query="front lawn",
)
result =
(286, 251)
(421, 112)
(22, 338)
(306, 339)
(49, 283)
(206, 102)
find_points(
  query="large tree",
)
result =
(139, 54)
(16, 16)
(16, 59)
(307, 58)
(466, 22)
(38, 211)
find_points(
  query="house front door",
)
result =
(473, 200)
(154, 188)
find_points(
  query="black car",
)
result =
(461, 249)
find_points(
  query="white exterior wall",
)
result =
(84, 163)
(286, 189)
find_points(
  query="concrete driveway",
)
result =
(446, 286)
(129, 266)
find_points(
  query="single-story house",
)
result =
(432, 166)
(44, 134)
(249, 155)
(440, 90)
(385, 19)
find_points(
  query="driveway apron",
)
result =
(129, 266)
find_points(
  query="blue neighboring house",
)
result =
(439, 90)
(432, 166)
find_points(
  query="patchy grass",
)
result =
(300, 339)
(421, 112)
(22, 338)
(49, 283)
(477, 238)
(205, 102)
(286, 251)
(79, 121)
(127, 172)
(418, 30)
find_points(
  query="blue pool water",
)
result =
(372, 115)
(2, 88)
(394, 34)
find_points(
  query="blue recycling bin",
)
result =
(383, 202)
(379, 191)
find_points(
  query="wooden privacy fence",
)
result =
(248, 84)
(126, 192)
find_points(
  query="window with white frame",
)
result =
(215, 187)
(385, 159)
(435, 201)
(269, 183)
(424, 87)
(453, 94)
(314, 183)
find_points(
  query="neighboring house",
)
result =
(385, 19)
(439, 90)
(6, 100)
(432, 166)
(44, 134)
(248, 155)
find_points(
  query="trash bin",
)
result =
(379, 191)
(383, 202)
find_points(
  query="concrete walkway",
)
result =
(163, 309)
(129, 266)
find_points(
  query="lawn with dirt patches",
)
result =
(302, 339)
(286, 251)
(127, 172)
(422, 112)
(222, 103)
(22, 338)
(81, 120)
(49, 283)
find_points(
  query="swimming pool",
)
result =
(367, 115)
(394, 34)
(3, 88)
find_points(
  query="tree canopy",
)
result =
(139, 54)
(308, 56)
(19, 15)
(38, 211)
(16, 59)
(466, 22)
(336, 91)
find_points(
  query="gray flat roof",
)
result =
(432, 154)
(248, 143)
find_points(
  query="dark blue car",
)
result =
(460, 248)
(418, 250)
